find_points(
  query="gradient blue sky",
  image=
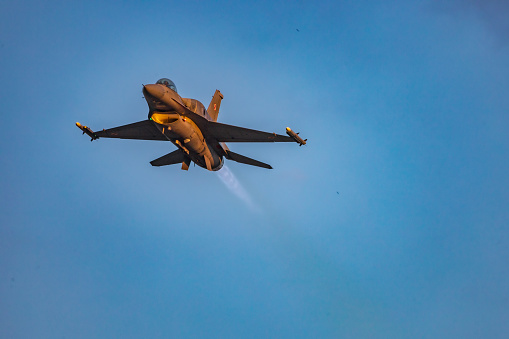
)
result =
(391, 223)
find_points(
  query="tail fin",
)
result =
(245, 160)
(213, 109)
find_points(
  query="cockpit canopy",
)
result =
(168, 83)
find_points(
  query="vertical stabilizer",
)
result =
(213, 109)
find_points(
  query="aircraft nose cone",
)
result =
(157, 91)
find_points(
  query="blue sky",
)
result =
(391, 222)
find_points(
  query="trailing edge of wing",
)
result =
(229, 133)
(245, 160)
(175, 157)
(142, 130)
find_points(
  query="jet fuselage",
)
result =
(167, 110)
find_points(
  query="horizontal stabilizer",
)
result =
(245, 160)
(175, 157)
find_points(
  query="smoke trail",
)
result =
(229, 179)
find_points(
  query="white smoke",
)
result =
(233, 184)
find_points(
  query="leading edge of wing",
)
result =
(141, 130)
(229, 133)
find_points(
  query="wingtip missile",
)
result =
(88, 131)
(295, 136)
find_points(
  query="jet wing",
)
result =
(142, 130)
(229, 133)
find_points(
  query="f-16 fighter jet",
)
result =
(190, 127)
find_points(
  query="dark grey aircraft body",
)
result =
(190, 127)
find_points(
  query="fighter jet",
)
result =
(193, 129)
